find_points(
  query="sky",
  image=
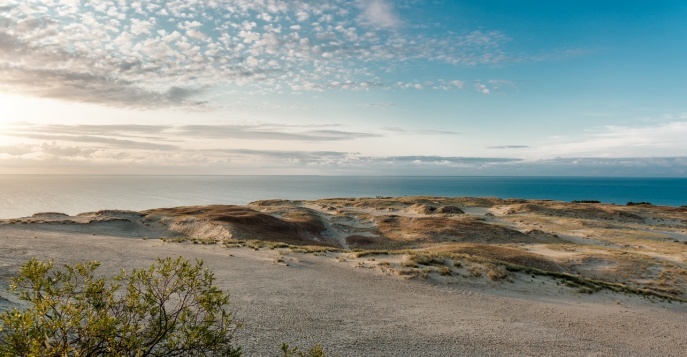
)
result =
(334, 87)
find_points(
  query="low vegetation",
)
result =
(504, 264)
(171, 308)
(639, 204)
(632, 245)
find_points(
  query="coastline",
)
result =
(27, 194)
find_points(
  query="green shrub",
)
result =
(170, 308)
(639, 204)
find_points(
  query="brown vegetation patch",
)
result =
(306, 219)
(358, 241)
(449, 210)
(507, 255)
(578, 210)
(112, 213)
(378, 243)
(541, 235)
(420, 208)
(474, 201)
(442, 229)
(400, 203)
(50, 215)
(634, 270)
(271, 203)
(613, 264)
(297, 227)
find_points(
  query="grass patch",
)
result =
(488, 252)
(445, 271)
(586, 284)
(429, 259)
(496, 272)
(497, 269)
(474, 271)
(365, 253)
(313, 249)
(189, 240)
(409, 264)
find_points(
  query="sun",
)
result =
(15, 109)
(10, 107)
(19, 108)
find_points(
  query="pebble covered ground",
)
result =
(362, 312)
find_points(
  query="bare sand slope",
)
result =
(361, 312)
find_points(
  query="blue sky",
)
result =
(332, 87)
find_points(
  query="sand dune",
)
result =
(420, 282)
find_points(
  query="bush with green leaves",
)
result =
(171, 308)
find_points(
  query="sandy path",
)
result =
(331, 232)
(359, 312)
(674, 235)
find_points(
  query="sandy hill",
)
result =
(535, 254)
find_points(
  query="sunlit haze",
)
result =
(338, 87)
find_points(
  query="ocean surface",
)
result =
(24, 195)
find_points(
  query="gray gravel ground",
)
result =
(361, 312)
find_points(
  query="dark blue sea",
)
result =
(23, 195)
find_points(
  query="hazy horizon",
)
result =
(334, 87)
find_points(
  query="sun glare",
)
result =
(16, 108)
(11, 107)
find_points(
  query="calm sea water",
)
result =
(23, 195)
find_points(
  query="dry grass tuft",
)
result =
(497, 253)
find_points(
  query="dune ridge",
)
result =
(542, 254)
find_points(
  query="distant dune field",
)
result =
(408, 276)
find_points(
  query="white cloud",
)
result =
(70, 2)
(65, 151)
(140, 27)
(195, 34)
(663, 139)
(206, 149)
(490, 86)
(482, 88)
(133, 54)
(458, 84)
(379, 13)
(16, 150)
(252, 61)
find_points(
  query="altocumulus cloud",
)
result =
(155, 53)
(379, 13)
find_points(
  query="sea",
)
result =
(24, 195)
